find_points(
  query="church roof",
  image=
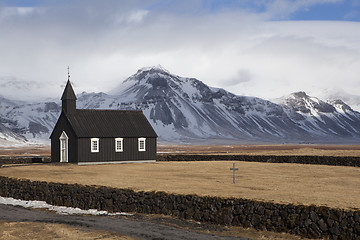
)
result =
(69, 93)
(110, 123)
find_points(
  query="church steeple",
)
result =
(68, 98)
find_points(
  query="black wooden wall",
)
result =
(63, 125)
(107, 151)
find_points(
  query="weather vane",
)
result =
(68, 73)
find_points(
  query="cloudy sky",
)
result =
(264, 48)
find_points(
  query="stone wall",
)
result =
(306, 221)
(320, 160)
(24, 159)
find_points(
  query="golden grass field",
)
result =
(31, 150)
(35, 231)
(332, 186)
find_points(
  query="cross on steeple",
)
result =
(68, 73)
(68, 98)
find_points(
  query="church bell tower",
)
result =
(68, 98)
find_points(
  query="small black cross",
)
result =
(234, 169)
(68, 73)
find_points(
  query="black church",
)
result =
(84, 136)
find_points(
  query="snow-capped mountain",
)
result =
(8, 136)
(333, 118)
(180, 108)
(186, 110)
(187, 107)
(24, 121)
(350, 99)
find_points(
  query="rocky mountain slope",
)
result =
(22, 121)
(186, 110)
(332, 119)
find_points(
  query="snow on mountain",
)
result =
(350, 99)
(332, 119)
(186, 107)
(28, 121)
(8, 136)
(186, 110)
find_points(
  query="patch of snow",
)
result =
(157, 67)
(58, 209)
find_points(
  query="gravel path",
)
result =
(136, 226)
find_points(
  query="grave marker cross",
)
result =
(234, 169)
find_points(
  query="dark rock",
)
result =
(330, 222)
(308, 222)
(292, 221)
(256, 220)
(198, 215)
(336, 215)
(303, 231)
(249, 209)
(314, 231)
(357, 217)
(346, 234)
(322, 225)
(304, 216)
(236, 221)
(276, 221)
(238, 210)
(189, 213)
(335, 230)
(224, 216)
(268, 213)
(357, 229)
(314, 217)
(247, 224)
(283, 213)
(344, 223)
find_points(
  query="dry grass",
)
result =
(282, 183)
(332, 186)
(31, 150)
(45, 231)
(254, 234)
(284, 149)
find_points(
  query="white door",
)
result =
(64, 140)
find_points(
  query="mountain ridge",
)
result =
(184, 110)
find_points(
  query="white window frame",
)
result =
(140, 147)
(64, 147)
(94, 143)
(121, 141)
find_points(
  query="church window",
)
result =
(94, 145)
(141, 143)
(118, 144)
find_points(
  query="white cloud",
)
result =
(137, 16)
(17, 11)
(235, 50)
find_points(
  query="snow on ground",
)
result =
(58, 209)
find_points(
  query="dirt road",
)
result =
(135, 227)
